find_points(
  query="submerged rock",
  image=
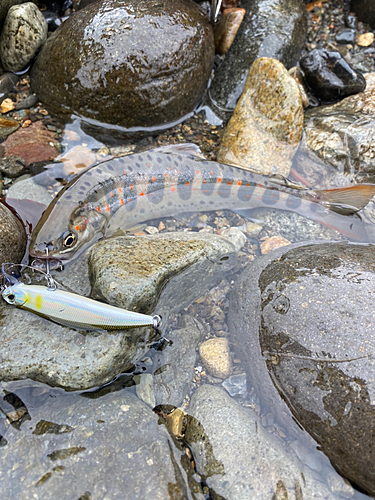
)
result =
(266, 127)
(12, 237)
(270, 28)
(329, 76)
(343, 134)
(87, 447)
(238, 458)
(303, 318)
(134, 63)
(24, 32)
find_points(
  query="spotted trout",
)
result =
(123, 192)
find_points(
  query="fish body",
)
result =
(74, 311)
(122, 192)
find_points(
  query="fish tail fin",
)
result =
(347, 200)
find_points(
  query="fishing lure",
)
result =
(70, 309)
(123, 192)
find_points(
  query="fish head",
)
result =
(15, 295)
(65, 242)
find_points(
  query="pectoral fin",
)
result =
(346, 200)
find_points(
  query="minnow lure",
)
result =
(122, 192)
(74, 311)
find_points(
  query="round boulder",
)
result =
(133, 63)
(12, 237)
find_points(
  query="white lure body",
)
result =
(75, 311)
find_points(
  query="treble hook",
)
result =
(51, 285)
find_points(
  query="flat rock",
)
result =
(12, 237)
(80, 447)
(329, 76)
(131, 272)
(342, 135)
(134, 63)
(27, 189)
(23, 33)
(270, 28)
(238, 458)
(293, 314)
(266, 127)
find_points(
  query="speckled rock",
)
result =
(216, 358)
(72, 447)
(266, 127)
(12, 166)
(293, 315)
(24, 32)
(343, 134)
(239, 459)
(134, 63)
(12, 237)
(270, 28)
(131, 272)
(329, 75)
(5, 5)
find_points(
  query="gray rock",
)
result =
(5, 5)
(132, 271)
(12, 237)
(238, 458)
(293, 314)
(174, 367)
(81, 447)
(27, 188)
(146, 63)
(342, 135)
(7, 84)
(12, 166)
(24, 32)
(271, 28)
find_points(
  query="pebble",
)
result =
(365, 40)
(12, 237)
(27, 103)
(24, 32)
(7, 105)
(216, 358)
(7, 83)
(330, 77)
(27, 189)
(12, 166)
(346, 36)
(273, 243)
(8, 126)
(235, 236)
(226, 29)
(77, 159)
(266, 126)
(236, 385)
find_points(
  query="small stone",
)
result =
(77, 159)
(24, 32)
(7, 105)
(296, 73)
(26, 123)
(235, 236)
(252, 229)
(351, 21)
(272, 243)
(12, 166)
(235, 385)
(161, 226)
(151, 230)
(225, 30)
(8, 126)
(365, 40)
(346, 36)
(215, 355)
(266, 126)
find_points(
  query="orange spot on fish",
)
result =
(187, 183)
(141, 193)
(165, 175)
(259, 197)
(153, 178)
(124, 172)
(204, 182)
(247, 185)
(147, 164)
(239, 183)
(131, 187)
(120, 190)
(179, 171)
(211, 173)
(111, 194)
(247, 196)
(122, 201)
(205, 191)
(197, 171)
(78, 228)
(194, 189)
(219, 179)
(229, 182)
(107, 208)
(173, 189)
(260, 185)
(98, 209)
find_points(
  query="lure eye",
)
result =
(11, 298)
(69, 240)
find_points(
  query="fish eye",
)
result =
(69, 239)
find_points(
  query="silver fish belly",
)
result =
(123, 192)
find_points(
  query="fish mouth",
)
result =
(46, 264)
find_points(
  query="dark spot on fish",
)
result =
(87, 184)
(270, 197)
(175, 163)
(110, 167)
(159, 159)
(142, 211)
(83, 188)
(149, 157)
(204, 162)
(293, 202)
(140, 158)
(211, 202)
(184, 183)
(265, 183)
(99, 170)
(179, 158)
(202, 202)
(138, 165)
(88, 173)
(156, 188)
(130, 169)
(170, 203)
(314, 207)
(245, 191)
(69, 197)
(251, 175)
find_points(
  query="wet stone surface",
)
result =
(12, 237)
(111, 447)
(300, 310)
(139, 63)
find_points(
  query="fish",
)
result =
(121, 193)
(73, 310)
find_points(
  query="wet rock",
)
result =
(172, 381)
(346, 36)
(273, 243)
(271, 28)
(236, 385)
(238, 458)
(294, 314)
(226, 29)
(34, 143)
(351, 21)
(7, 84)
(216, 358)
(365, 11)
(235, 236)
(266, 127)
(145, 388)
(27, 189)
(12, 237)
(5, 5)
(8, 126)
(7, 105)
(80, 447)
(131, 272)
(12, 166)
(342, 135)
(296, 73)
(24, 32)
(145, 63)
(329, 76)
(27, 103)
